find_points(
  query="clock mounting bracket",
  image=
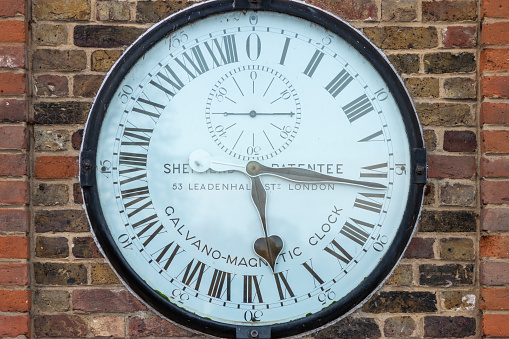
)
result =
(259, 332)
(420, 171)
(251, 4)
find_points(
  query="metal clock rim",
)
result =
(133, 282)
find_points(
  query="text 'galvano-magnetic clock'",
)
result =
(253, 169)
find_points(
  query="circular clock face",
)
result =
(252, 169)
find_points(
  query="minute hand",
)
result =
(254, 168)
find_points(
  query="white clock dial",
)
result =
(254, 169)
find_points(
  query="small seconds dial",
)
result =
(253, 112)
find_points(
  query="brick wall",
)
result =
(494, 170)
(453, 279)
(15, 294)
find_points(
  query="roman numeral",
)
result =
(339, 83)
(358, 108)
(148, 107)
(313, 63)
(161, 257)
(370, 204)
(220, 279)
(136, 136)
(137, 194)
(342, 255)
(309, 268)
(197, 61)
(354, 233)
(282, 285)
(227, 50)
(170, 79)
(133, 159)
(190, 273)
(373, 137)
(374, 171)
(252, 289)
(285, 51)
(148, 238)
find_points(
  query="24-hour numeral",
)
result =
(309, 268)
(313, 63)
(373, 137)
(336, 250)
(136, 136)
(189, 278)
(220, 279)
(196, 60)
(168, 82)
(227, 50)
(374, 171)
(368, 202)
(252, 289)
(339, 83)
(283, 288)
(161, 258)
(148, 107)
(358, 108)
(355, 232)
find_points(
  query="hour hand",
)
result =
(201, 161)
(254, 168)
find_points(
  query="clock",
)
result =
(253, 169)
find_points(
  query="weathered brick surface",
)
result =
(104, 300)
(446, 275)
(56, 167)
(494, 298)
(403, 37)
(448, 221)
(154, 326)
(12, 56)
(495, 325)
(13, 274)
(495, 9)
(60, 274)
(495, 219)
(495, 86)
(442, 10)
(66, 10)
(494, 273)
(15, 300)
(14, 192)
(495, 33)
(445, 166)
(449, 327)
(12, 110)
(13, 220)
(12, 83)
(459, 36)
(495, 192)
(14, 325)
(12, 8)
(61, 325)
(13, 31)
(14, 247)
(494, 113)
(13, 164)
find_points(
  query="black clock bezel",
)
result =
(100, 228)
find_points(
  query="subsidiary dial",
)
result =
(253, 112)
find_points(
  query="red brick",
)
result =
(495, 219)
(12, 7)
(494, 273)
(494, 167)
(495, 141)
(495, 325)
(494, 299)
(60, 325)
(14, 325)
(495, 8)
(15, 301)
(494, 113)
(460, 141)
(495, 192)
(13, 164)
(13, 192)
(12, 56)
(455, 167)
(12, 110)
(13, 274)
(14, 220)
(56, 167)
(495, 86)
(494, 60)
(12, 31)
(14, 247)
(459, 36)
(154, 326)
(494, 246)
(13, 137)
(12, 83)
(103, 300)
(495, 33)
(420, 248)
